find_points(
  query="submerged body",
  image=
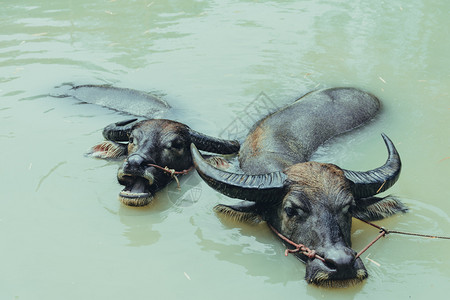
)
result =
(130, 101)
(291, 135)
(311, 203)
(151, 148)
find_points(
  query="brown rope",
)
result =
(384, 232)
(172, 172)
(298, 247)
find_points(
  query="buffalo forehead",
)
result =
(160, 127)
(318, 181)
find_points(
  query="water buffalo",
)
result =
(309, 202)
(159, 142)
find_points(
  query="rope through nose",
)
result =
(311, 254)
(172, 172)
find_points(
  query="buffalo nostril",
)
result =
(135, 163)
(330, 264)
(135, 160)
(339, 260)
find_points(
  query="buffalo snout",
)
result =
(340, 268)
(136, 164)
(138, 178)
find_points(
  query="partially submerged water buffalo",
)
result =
(130, 101)
(309, 202)
(160, 142)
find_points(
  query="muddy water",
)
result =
(220, 64)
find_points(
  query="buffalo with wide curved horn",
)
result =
(147, 144)
(312, 203)
(260, 187)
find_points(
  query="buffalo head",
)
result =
(313, 204)
(158, 142)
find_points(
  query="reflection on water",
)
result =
(184, 192)
(247, 247)
(66, 236)
(141, 223)
(137, 232)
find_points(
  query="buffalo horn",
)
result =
(119, 132)
(256, 188)
(369, 183)
(214, 145)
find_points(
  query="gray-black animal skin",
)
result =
(309, 202)
(130, 101)
(292, 134)
(145, 143)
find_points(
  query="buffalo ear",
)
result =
(377, 208)
(108, 150)
(244, 211)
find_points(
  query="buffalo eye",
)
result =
(290, 212)
(177, 144)
(131, 139)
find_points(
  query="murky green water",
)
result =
(64, 234)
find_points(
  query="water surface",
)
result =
(66, 236)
